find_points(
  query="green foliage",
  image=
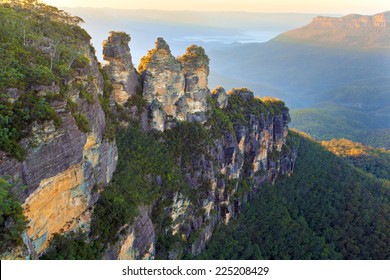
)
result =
(71, 106)
(138, 101)
(377, 138)
(218, 120)
(41, 75)
(326, 209)
(240, 109)
(81, 62)
(187, 140)
(332, 121)
(38, 43)
(194, 53)
(72, 247)
(12, 221)
(88, 96)
(38, 46)
(15, 117)
(114, 209)
(82, 122)
(105, 104)
(142, 158)
(368, 159)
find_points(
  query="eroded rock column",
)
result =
(120, 68)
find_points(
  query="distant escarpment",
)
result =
(349, 31)
(118, 163)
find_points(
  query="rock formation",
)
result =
(163, 86)
(175, 89)
(120, 68)
(196, 71)
(220, 95)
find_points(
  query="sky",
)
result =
(299, 6)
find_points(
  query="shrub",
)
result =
(82, 122)
(12, 221)
(41, 75)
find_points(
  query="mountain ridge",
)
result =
(344, 31)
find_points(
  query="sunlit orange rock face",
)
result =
(61, 202)
(53, 207)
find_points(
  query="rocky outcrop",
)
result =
(175, 89)
(120, 68)
(195, 64)
(233, 167)
(219, 94)
(163, 86)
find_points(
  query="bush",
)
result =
(88, 96)
(72, 247)
(81, 62)
(16, 117)
(12, 221)
(82, 122)
(41, 75)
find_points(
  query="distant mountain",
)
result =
(183, 28)
(348, 31)
(336, 71)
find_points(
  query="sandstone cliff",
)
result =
(66, 165)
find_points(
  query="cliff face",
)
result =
(381, 20)
(244, 152)
(65, 166)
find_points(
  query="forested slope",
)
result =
(326, 209)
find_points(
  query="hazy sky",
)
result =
(303, 6)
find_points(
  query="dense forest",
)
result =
(327, 209)
(369, 159)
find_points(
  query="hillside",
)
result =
(370, 160)
(319, 77)
(327, 209)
